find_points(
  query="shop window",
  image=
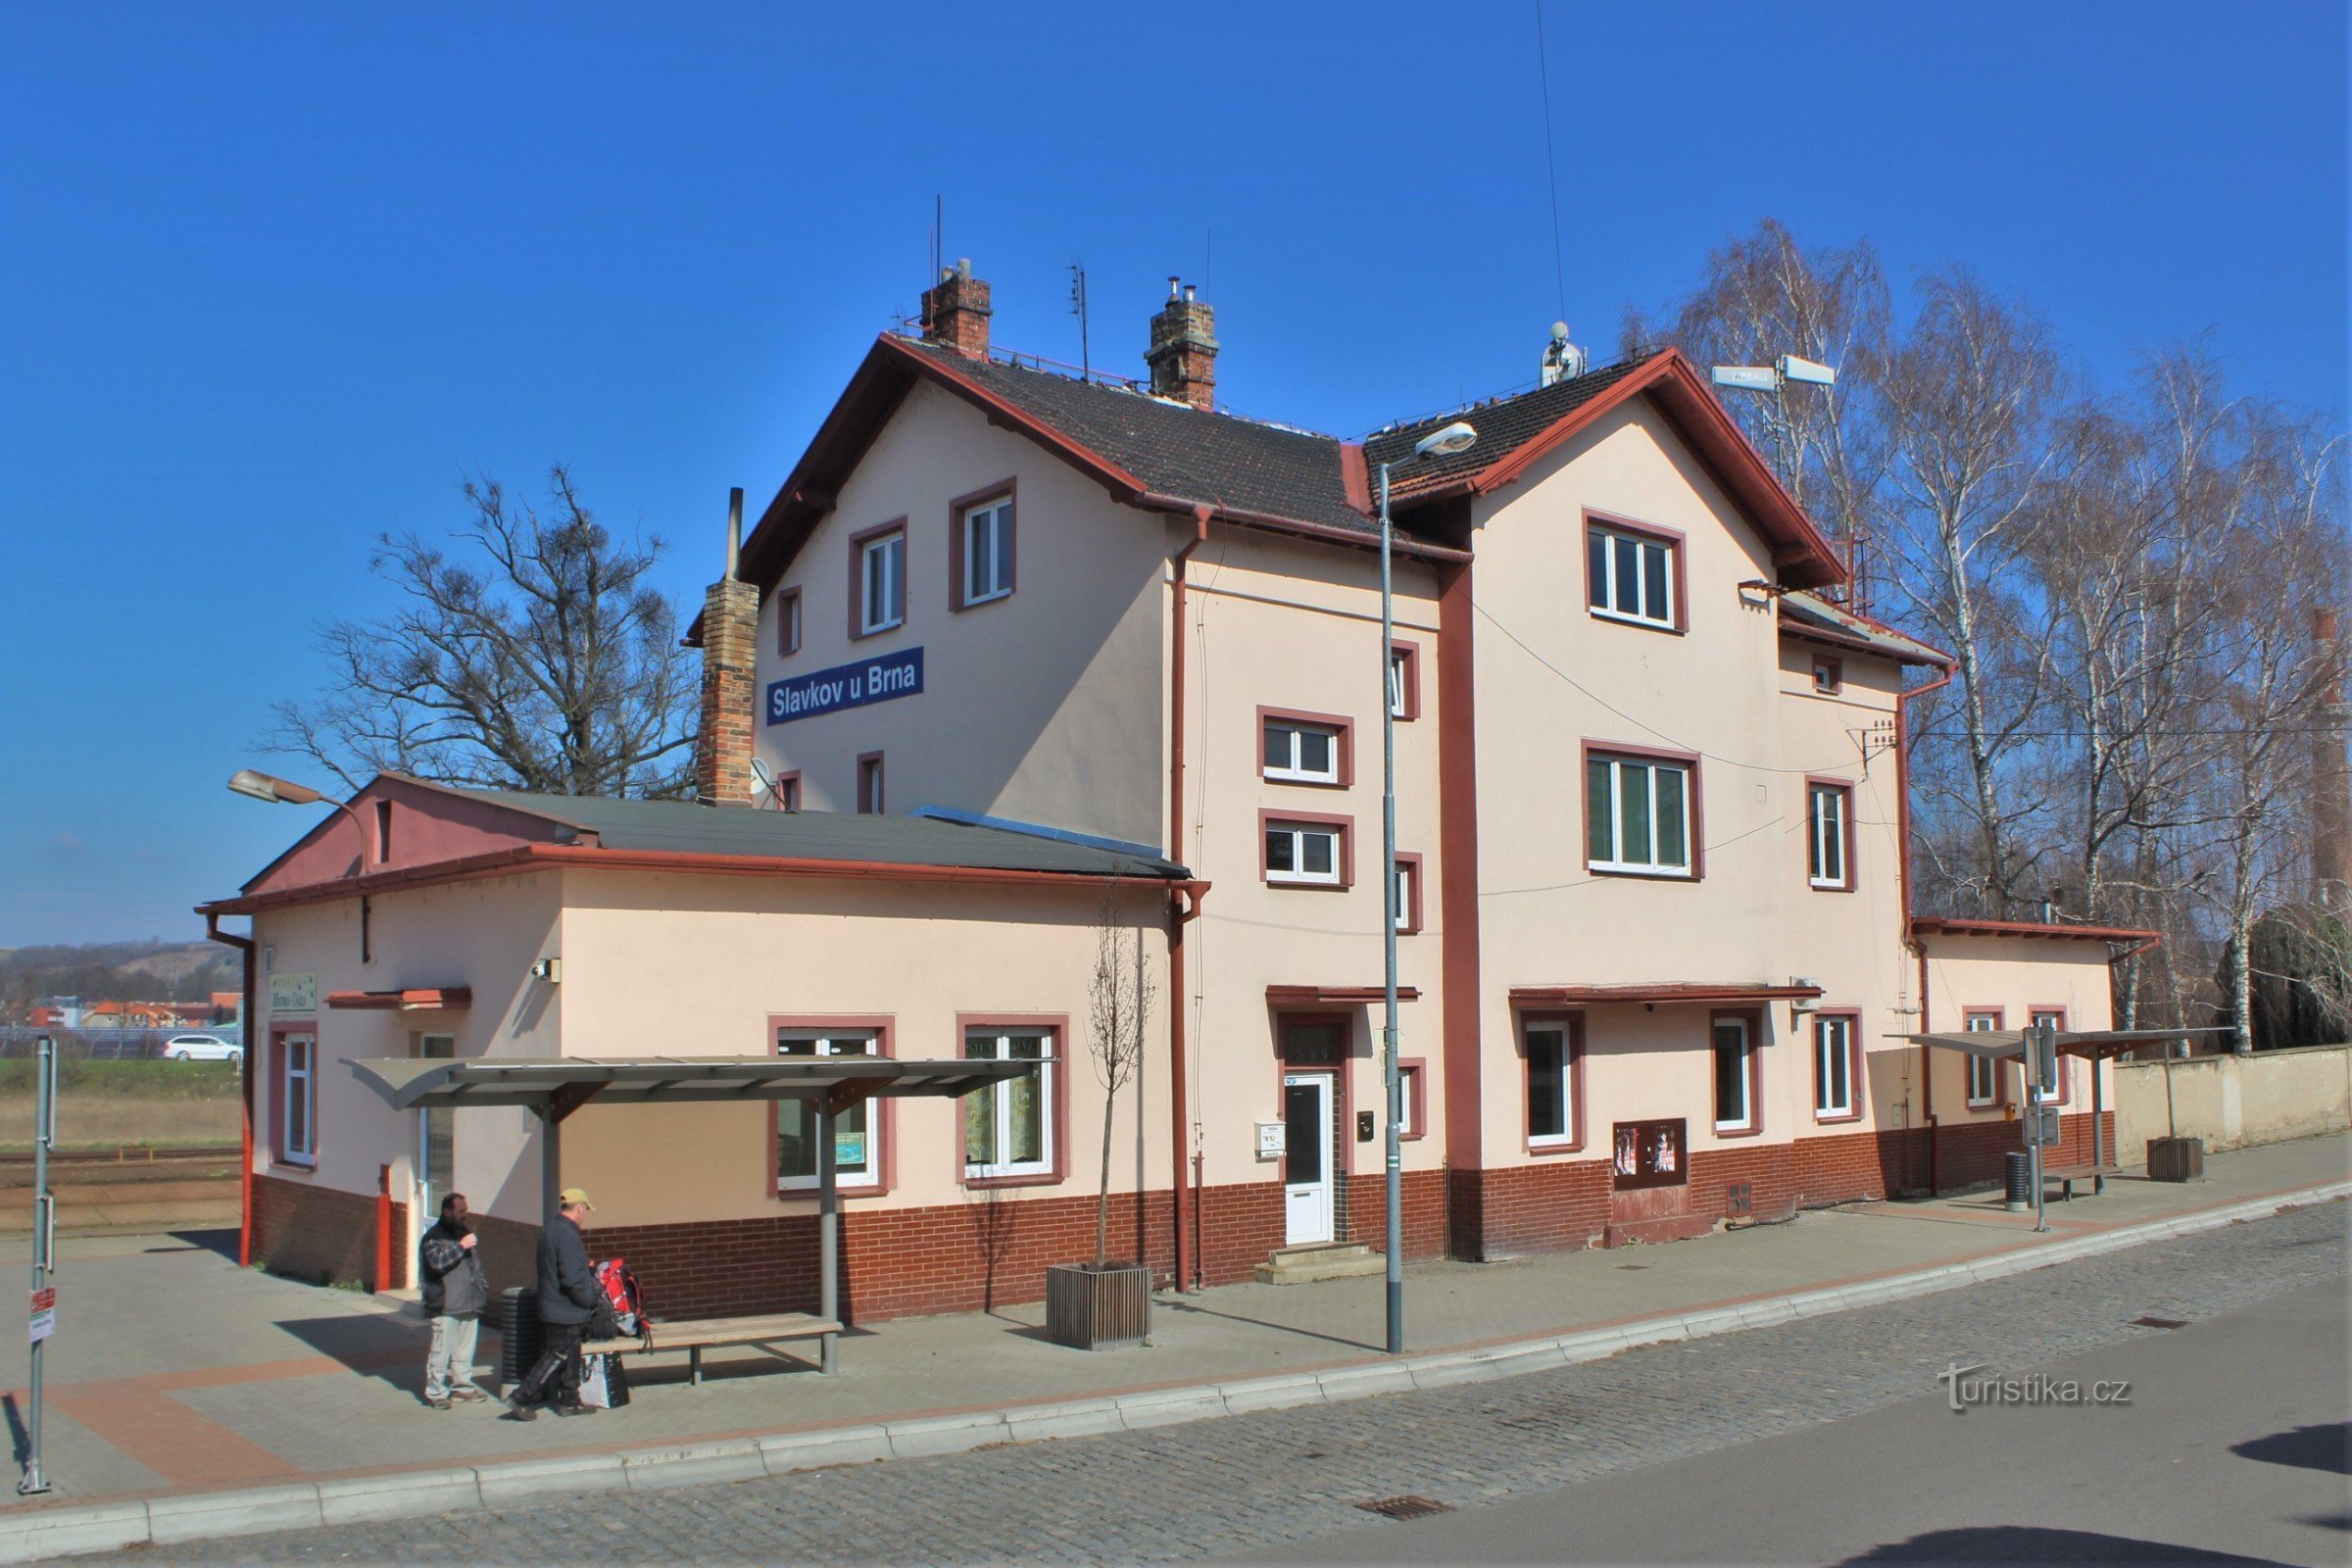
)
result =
(1009, 1127)
(856, 1156)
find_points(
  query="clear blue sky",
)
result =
(271, 276)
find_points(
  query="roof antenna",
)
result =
(1559, 263)
(1078, 308)
(939, 220)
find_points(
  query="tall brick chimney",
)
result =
(2331, 796)
(722, 747)
(956, 311)
(1183, 355)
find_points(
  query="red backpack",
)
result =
(619, 1284)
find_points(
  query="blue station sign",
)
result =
(829, 691)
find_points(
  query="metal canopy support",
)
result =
(828, 1232)
(2098, 1145)
(551, 1163)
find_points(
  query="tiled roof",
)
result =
(1505, 424)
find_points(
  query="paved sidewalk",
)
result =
(177, 1378)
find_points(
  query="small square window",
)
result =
(1310, 853)
(1301, 751)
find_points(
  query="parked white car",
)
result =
(202, 1047)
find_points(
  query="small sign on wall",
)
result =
(1273, 1139)
(293, 993)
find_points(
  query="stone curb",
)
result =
(32, 1533)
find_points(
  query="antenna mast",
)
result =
(1078, 308)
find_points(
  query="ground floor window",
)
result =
(1009, 1127)
(2056, 1018)
(1734, 1086)
(298, 1099)
(856, 1158)
(1553, 1115)
(1834, 1066)
(1983, 1072)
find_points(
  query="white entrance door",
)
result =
(1306, 1207)
(437, 1150)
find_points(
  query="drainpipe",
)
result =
(1902, 814)
(245, 1061)
(1179, 916)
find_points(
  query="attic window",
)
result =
(1828, 675)
(383, 832)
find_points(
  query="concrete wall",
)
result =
(2233, 1100)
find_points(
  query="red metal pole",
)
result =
(383, 1228)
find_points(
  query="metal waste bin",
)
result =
(519, 1339)
(2021, 1183)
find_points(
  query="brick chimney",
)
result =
(722, 747)
(2331, 796)
(1183, 355)
(956, 311)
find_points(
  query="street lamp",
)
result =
(262, 786)
(1453, 438)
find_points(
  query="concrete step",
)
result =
(1331, 1260)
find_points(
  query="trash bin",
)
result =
(2021, 1184)
(519, 1339)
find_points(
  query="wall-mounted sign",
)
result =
(293, 993)
(1272, 1138)
(829, 691)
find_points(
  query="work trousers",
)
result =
(556, 1375)
(449, 1363)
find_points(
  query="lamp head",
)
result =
(1455, 437)
(263, 787)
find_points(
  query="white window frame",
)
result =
(1564, 1102)
(1298, 833)
(1826, 838)
(1399, 660)
(996, 516)
(1616, 860)
(830, 1043)
(1823, 1024)
(1409, 1075)
(882, 557)
(1406, 872)
(1294, 731)
(2066, 1077)
(300, 1086)
(1746, 1121)
(1981, 1023)
(1601, 592)
(999, 1038)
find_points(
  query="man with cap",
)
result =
(567, 1296)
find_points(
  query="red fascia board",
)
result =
(429, 999)
(1954, 926)
(1679, 990)
(536, 857)
(1334, 996)
(1863, 645)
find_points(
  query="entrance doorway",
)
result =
(436, 1149)
(1307, 1209)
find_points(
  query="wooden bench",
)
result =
(695, 1336)
(2067, 1175)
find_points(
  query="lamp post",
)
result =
(262, 786)
(1455, 437)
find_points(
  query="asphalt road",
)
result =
(2233, 1447)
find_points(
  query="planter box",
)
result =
(1093, 1310)
(2176, 1159)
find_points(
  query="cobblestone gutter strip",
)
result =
(37, 1532)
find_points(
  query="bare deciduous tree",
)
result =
(544, 660)
(1119, 1004)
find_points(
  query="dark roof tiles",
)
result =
(1505, 424)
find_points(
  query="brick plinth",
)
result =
(309, 1231)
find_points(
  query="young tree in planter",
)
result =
(1119, 1001)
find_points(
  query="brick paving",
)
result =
(1231, 1485)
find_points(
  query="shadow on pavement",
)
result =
(376, 1347)
(2326, 1446)
(1254, 1322)
(222, 1242)
(18, 1436)
(2031, 1543)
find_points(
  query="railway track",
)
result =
(126, 1162)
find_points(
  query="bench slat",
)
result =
(707, 1332)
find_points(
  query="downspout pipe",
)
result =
(245, 1070)
(1184, 902)
(1902, 814)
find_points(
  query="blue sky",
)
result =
(272, 276)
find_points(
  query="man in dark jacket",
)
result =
(568, 1295)
(456, 1293)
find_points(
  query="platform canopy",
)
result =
(558, 1083)
(1998, 1043)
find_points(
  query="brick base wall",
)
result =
(321, 1233)
(1975, 1154)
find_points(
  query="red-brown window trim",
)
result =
(1754, 1019)
(1837, 673)
(1003, 490)
(857, 543)
(787, 791)
(1587, 749)
(279, 1158)
(2066, 1061)
(879, 805)
(1414, 1072)
(1058, 1023)
(1574, 1024)
(883, 1111)
(1413, 903)
(2000, 1079)
(791, 626)
(1853, 1064)
(1345, 864)
(1845, 822)
(1343, 746)
(1678, 552)
(1409, 679)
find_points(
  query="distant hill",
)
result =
(117, 971)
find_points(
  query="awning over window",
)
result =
(559, 1083)
(422, 998)
(1673, 991)
(1999, 1043)
(1334, 996)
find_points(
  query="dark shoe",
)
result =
(576, 1409)
(517, 1410)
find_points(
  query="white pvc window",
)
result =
(1734, 1101)
(1637, 815)
(1406, 872)
(882, 582)
(301, 1088)
(1824, 835)
(1629, 576)
(987, 551)
(2064, 1089)
(1303, 852)
(1299, 753)
(1983, 1072)
(1551, 1086)
(1399, 677)
(1833, 1066)
(1009, 1127)
(856, 1160)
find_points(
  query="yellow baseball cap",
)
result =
(574, 1197)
